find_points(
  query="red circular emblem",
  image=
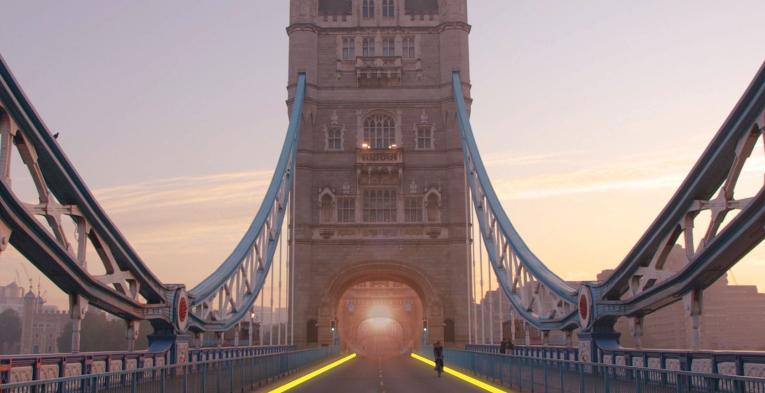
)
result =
(183, 309)
(584, 307)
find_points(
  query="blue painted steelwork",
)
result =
(229, 374)
(235, 284)
(639, 285)
(266, 226)
(723, 251)
(532, 351)
(719, 362)
(531, 374)
(65, 184)
(491, 216)
(106, 361)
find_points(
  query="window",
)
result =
(368, 47)
(334, 139)
(389, 46)
(413, 209)
(311, 331)
(432, 207)
(368, 8)
(408, 47)
(349, 48)
(326, 208)
(346, 210)
(379, 131)
(380, 206)
(424, 138)
(388, 9)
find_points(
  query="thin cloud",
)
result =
(184, 191)
(628, 174)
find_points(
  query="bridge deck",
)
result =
(394, 375)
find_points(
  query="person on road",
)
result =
(503, 346)
(438, 355)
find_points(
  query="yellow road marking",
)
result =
(483, 385)
(312, 374)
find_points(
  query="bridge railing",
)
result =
(534, 351)
(23, 368)
(743, 363)
(221, 375)
(531, 374)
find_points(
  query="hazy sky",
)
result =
(588, 113)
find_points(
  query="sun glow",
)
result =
(379, 311)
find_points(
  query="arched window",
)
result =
(326, 206)
(334, 139)
(311, 331)
(449, 331)
(379, 131)
(433, 207)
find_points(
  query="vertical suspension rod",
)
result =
(468, 243)
(490, 272)
(279, 304)
(271, 312)
(473, 293)
(482, 294)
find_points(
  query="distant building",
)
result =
(730, 315)
(12, 297)
(41, 324)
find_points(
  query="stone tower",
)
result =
(380, 175)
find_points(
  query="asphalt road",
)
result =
(394, 375)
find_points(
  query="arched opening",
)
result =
(380, 318)
(379, 131)
(449, 331)
(312, 331)
(327, 212)
(432, 207)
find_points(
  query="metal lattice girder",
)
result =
(128, 288)
(529, 285)
(640, 285)
(62, 193)
(226, 297)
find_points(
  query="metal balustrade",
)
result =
(531, 374)
(238, 374)
(534, 351)
(745, 363)
(46, 366)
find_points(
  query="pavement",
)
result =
(373, 375)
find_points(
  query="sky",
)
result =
(588, 115)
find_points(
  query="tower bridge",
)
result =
(379, 216)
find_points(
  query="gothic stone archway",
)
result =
(432, 307)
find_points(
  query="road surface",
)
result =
(394, 375)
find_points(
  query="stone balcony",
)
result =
(393, 156)
(379, 71)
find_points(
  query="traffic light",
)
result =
(333, 326)
(424, 325)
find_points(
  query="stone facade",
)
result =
(41, 324)
(380, 179)
(730, 314)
